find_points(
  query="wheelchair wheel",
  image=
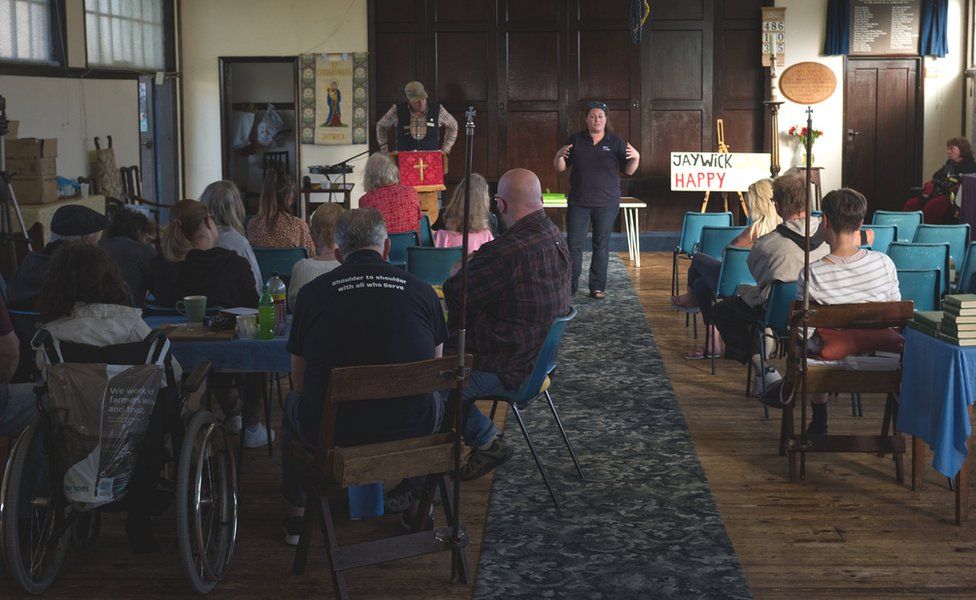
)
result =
(32, 548)
(206, 502)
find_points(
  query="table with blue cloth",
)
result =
(236, 355)
(937, 389)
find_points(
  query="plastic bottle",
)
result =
(266, 315)
(279, 293)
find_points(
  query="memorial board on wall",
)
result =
(884, 27)
(807, 83)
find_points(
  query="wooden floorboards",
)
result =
(848, 530)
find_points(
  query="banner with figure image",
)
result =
(333, 98)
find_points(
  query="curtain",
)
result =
(838, 38)
(932, 38)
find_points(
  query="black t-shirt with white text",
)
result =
(366, 312)
(594, 180)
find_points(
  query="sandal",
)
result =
(700, 353)
(598, 294)
(687, 304)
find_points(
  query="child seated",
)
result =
(479, 209)
(848, 275)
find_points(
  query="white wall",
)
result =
(942, 101)
(75, 111)
(218, 28)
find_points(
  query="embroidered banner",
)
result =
(334, 98)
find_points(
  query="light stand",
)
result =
(8, 204)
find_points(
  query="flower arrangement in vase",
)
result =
(800, 135)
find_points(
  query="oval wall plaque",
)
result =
(807, 83)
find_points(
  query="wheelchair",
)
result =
(38, 520)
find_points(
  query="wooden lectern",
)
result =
(424, 171)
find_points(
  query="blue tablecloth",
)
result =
(938, 384)
(235, 355)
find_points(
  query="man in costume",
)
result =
(417, 123)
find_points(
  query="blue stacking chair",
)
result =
(536, 386)
(715, 239)
(777, 319)
(426, 235)
(967, 273)
(816, 213)
(691, 229)
(3, 289)
(735, 272)
(433, 265)
(278, 260)
(907, 222)
(398, 247)
(883, 236)
(907, 255)
(957, 236)
(921, 286)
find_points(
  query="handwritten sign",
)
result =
(807, 83)
(717, 171)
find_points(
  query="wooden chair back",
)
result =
(131, 184)
(425, 455)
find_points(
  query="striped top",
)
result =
(865, 276)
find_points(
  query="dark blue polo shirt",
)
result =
(366, 312)
(594, 180)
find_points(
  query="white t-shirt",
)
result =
(865, 276)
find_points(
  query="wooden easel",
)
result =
(723, 149)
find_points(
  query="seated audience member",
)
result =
(336, 326)
(935, 201)
(72, 222)
(479, 228)
(127, 243)
(85, 300)
(518, 285)
(17, 404)
(776, 256)
(848, 275)
(704, 270)
(224, 203)
(323, 232)
(398, 203)
(191, 264)
(275, 225)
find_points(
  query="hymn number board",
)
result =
(773, 35)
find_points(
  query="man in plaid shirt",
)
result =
(517, 285)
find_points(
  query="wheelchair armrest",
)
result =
(197, 377)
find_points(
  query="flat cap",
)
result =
(415, 91)
(75, 219)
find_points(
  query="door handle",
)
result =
(851, 134)
(147, 143)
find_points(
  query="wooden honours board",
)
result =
(885, 27)
(807, 83)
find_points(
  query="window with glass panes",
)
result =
(25, 31)
(125, 33)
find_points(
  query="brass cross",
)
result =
(420, 166)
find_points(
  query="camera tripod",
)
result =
(8, 205)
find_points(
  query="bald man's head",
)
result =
(521, 193)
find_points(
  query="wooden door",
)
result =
(882, 127)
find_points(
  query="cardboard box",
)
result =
(13, 128)
(32, 164)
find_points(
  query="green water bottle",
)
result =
(266, 315)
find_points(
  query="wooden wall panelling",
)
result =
(447, 11)
(739, 75)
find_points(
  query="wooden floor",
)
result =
(848, 530)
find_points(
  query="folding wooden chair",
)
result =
(435, 456)
(829, 379)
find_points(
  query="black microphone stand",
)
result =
(8, 203)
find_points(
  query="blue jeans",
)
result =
(578, 220)
(21, 408)
(479, 430)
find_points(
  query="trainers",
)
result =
(398, 499)
(480, 462)
(772, 376)
(293, 529)
(256, 436)
(233, 424)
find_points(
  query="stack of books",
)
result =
(928, 322)
(958, 325)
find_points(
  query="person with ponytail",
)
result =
(191, 264)
(275, 226)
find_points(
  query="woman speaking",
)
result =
(597, 157)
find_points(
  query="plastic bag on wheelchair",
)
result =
(100, 414)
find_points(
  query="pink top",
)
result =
(444, 238)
